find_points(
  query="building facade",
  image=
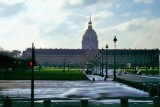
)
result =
(89, 51)
(59, 57)
(129, 58)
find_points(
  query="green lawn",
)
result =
(45, 74)
(143, 70)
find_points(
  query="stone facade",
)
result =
(59, 57)
(132, 57)
(80, 57)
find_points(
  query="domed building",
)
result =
(79, 57)
(90, 39)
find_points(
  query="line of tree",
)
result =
(8, 63)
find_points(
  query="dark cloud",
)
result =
(10, 10)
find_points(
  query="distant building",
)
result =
(79, 57)
(90, 39)
(134, 58)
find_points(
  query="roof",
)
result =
(57, 51)
(84, 51)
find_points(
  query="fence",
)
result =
(109, 102)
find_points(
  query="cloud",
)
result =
(9, 10)
(135, 33)
(128, 14)
(61, 23)
(31, 24)
(12, 2)
(149, 35)
(131, 25)
(143, 1)
(75, 3)
(140, 33)
(104, 14)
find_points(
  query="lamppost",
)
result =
(114, 72)
(106, 61)
(99, 70)
(63, 66)
(102, 62)
(96, 65)
(39, 64)
(68, 66)
(32, 75)
(87, 67)
(93, 62)
(93, 66)
(99, 64)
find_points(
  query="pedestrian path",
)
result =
(152, 76)
(99, 78)
(139, 78)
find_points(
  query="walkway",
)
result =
(139, 78)
(99, 78)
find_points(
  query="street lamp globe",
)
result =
(106, 63)
(115, 39)
(114, 72)
(106, 46)
(102, 61)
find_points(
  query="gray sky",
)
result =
(62, 23)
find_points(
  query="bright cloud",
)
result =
(138, 32)
(61, 23)
(75, 2)
(131, 25)
(104, 14)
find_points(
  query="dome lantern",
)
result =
(90, 39)
(90, 23)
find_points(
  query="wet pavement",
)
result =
(140, 78)
(98, 89)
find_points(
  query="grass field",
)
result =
(45, 74)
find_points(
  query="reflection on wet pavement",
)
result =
(69, 89)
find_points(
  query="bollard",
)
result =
(152, 91)
(7, 102)
(124, 102)
(133, 84)
(156, 89)
(47, 103)
(149, 87)
(93, 79)
(140, 86)
(156, 101)
(84, 103)
(159, 90)
(144, 87)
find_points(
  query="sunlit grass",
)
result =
(45, 74)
